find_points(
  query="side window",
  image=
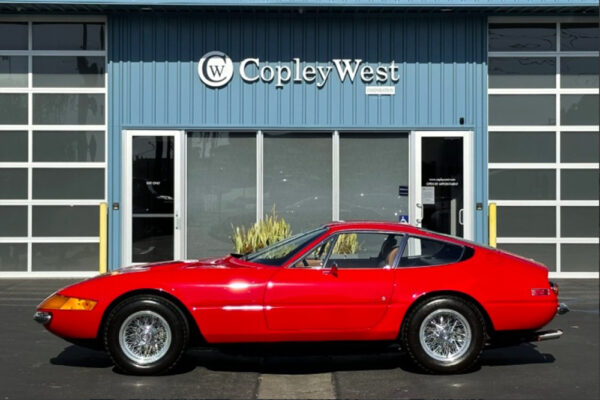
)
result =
(365, 250)
(421, 252)
(316, 257)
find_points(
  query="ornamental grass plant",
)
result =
(271, 229)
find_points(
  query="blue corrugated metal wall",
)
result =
(153, 81)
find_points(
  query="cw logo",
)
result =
(215, 69)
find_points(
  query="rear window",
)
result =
(425, 252)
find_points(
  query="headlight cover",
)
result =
(60, 302)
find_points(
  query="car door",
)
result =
(344, 283)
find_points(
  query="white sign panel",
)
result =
(380, 90)
(428, 194)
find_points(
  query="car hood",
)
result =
(206, 263)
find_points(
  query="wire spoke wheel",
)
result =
(145, 337)
(445, 335)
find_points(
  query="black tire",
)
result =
(469, 353)
(171, 323)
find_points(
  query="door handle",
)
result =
(419, 218)
(461, 213)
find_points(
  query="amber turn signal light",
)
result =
(59, 302)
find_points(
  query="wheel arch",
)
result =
(489, 326)
(196, 337)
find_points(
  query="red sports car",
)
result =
(443, 299)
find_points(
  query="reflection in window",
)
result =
(522, 37)
(13, 146)
(13, 256)
(508, 72)
(373, 169)
(54, 146)
(221, 189)
(522, 184)
(540, 221)
(68, 183)
(579, 109)
(522, 109)
(13, 109)
(68, 36)
(525, 147)
(421, 252)
(579, 37)
(365, 250)
(13, 36)
(544, 253)
(297, 177)
(579, 72)
(68, 109)
(68, 71)
(64, 257)
(13, 71)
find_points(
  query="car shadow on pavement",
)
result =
(305, 360)
(77, 356)
(302, 358)
(525, 353)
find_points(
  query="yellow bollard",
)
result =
(103, 238)
(493, 223)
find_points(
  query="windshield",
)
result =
(278, 253)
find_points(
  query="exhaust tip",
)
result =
(549, 335)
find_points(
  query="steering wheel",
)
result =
(304, 262)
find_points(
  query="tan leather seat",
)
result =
(391, 256)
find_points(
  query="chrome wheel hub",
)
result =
(145, 337)
(445, 335)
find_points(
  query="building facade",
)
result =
(191, 118)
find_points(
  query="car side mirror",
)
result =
(333, 270)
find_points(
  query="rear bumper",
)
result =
(562, 309)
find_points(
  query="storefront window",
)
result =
(13, 36)
(508, 72)
(522, 37)
(13, 71)
(522, 147)
(373, 171)
(221, 189)
(522, 110)
(298, 177)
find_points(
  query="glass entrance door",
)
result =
(151, 194)
(443, 182)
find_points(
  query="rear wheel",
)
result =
(146, 335)
(444, 335)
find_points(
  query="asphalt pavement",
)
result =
(37, 365)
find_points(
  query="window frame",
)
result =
(559, 130)
(335, 235)
(435, 239)
(29, 90)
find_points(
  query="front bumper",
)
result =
(43, 317)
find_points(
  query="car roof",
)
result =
(398, 227)
(372, 224)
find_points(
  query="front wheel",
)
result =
(444, 335)
(146, 335)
